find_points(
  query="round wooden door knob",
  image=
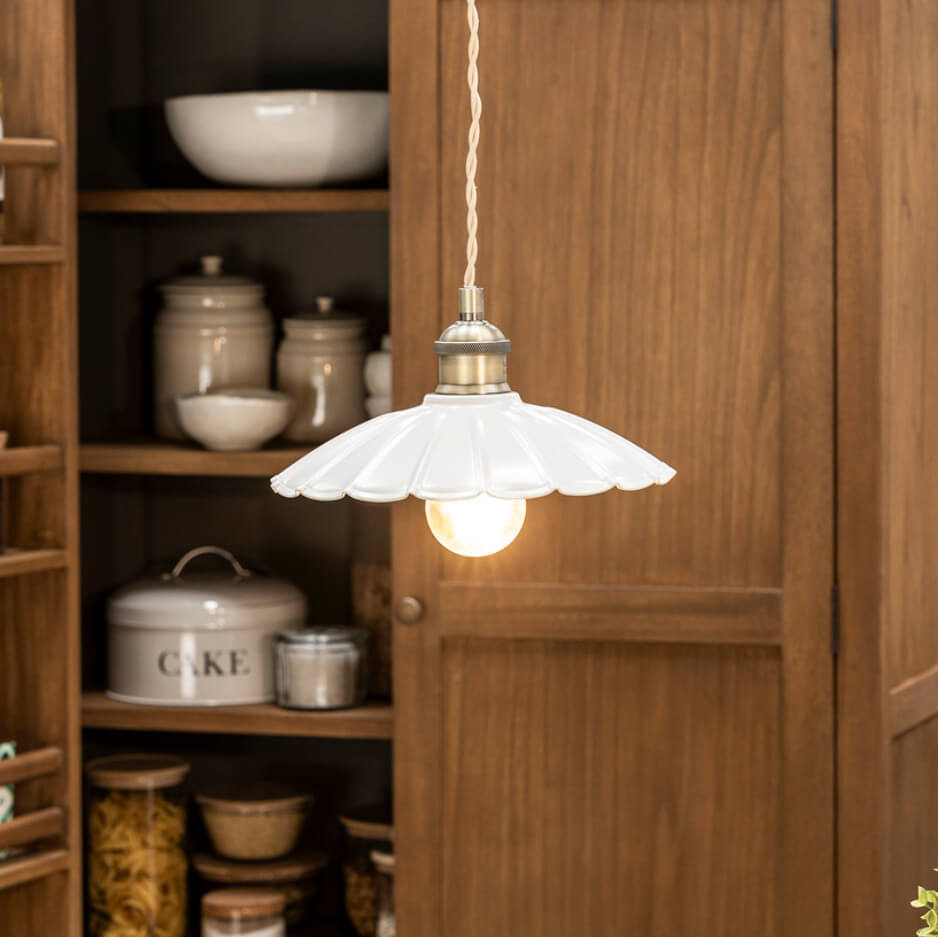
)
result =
(409, 610)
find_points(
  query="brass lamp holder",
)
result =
(473, 353)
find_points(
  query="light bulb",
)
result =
(476, 526)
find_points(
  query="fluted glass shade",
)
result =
(454, 447)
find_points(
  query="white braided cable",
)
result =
(472, 159)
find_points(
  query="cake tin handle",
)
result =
(184, 561)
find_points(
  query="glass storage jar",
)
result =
(384, 863)
(321, 668)
(213, 332)
(319, 364)
(366, 829)
(243, 912)
(136, 846)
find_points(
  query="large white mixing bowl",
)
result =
(282, 138)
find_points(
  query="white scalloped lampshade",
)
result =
(453, 447)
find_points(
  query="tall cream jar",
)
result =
(319, 364)
(212, 332)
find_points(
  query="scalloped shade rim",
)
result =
(453, 447)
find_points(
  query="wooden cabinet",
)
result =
(633, 704)
(641, 716)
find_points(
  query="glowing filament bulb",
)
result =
(476, 526)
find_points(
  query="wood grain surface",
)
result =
(162, 201)
(656, 237)
(39, 620)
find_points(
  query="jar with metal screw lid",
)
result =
(384, 863)
(321, 668)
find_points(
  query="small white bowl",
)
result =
(283, 138)
(235, 420)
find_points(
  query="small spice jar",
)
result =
(321, 668)
(367, 829)
(213, 332)
(245, 912)
(319, 364)
(384, 863)
(136, 846)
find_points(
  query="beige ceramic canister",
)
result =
(213, 332)
(319, 364)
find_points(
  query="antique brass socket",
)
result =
(473, 353)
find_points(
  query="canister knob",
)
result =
(409, 610)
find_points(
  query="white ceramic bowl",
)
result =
(235, 420)
(282, 138)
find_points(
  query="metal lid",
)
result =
(384, 861)
(207, 601)
(370, 822)
(276, 872)
(318, 637)
(136, 772)
(233, 904)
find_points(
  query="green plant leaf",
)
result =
(931, 917)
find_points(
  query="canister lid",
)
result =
(182, 601)
(370, 822)
(210, 279)
(136, 772)
(325, 322)
(322, 637)
(384, 861)
(233, 904)
(276, 872)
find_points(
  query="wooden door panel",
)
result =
(631, 246)
(629, 711)
(591, 788)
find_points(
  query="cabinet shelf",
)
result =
(21, 460)
(31, 254)
(31, 867)
(372, 721)
(20, 151)
(14, 562)
(209, 201)
(156, 457)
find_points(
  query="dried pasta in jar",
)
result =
(136, 847)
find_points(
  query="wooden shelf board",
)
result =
(21, 151)
(28, 765)
(29, 868)
(30, 827)
(31, 254)
(168, 201)
(153, 457)
(20, 460)
(14, 562)
(372, 721)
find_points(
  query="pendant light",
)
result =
(473, 450)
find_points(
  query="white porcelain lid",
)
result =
(212, 282)
(185, 601)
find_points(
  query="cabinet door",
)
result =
(623, 723)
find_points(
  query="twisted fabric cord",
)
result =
(472, 159)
